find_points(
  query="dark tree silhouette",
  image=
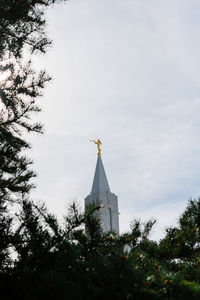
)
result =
(22, 31)
(57, 261)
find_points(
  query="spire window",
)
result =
(109, 218)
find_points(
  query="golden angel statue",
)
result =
(98, 143)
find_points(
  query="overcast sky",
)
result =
(127, 72)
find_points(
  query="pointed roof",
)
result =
(100, 182)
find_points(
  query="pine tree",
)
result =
(57, 261)
(22, 30)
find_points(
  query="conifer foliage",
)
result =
(54, 261)
(22, 32)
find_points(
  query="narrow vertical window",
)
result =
(109, 218)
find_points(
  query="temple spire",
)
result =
(101, 194)
(100, 182)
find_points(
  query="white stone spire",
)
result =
(101, 194)
(100, 182)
